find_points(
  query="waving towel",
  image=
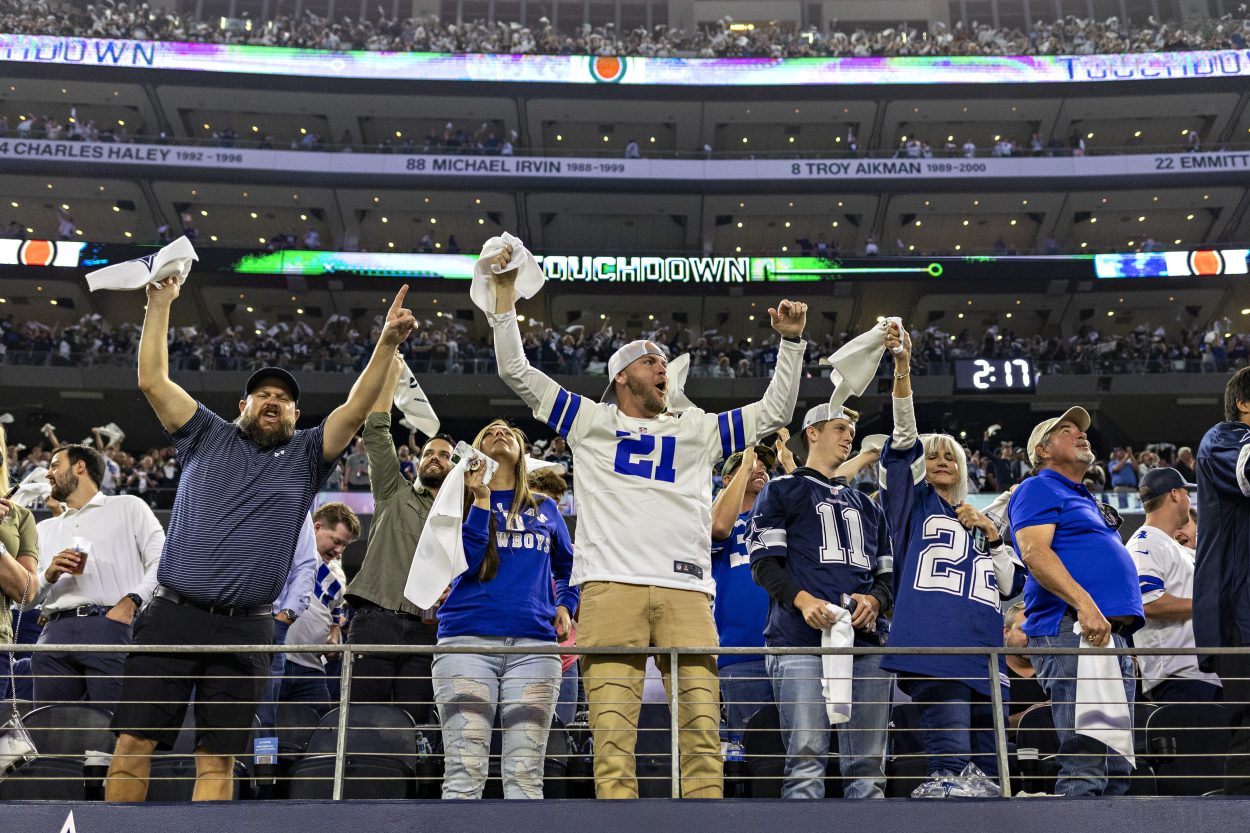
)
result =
(837, 669)
(412, 402)
(855, 363)
(1102, 710)
(173, 260)
(34, 486)
(529, 279)
(675, 399)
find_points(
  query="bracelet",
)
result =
(993, 545)
(793, 339)
(903, 375)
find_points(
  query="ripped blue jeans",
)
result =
(469, 688)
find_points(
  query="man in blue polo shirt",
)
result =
(1079, 573)
(741, 609)
(246, 487)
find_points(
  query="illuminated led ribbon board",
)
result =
(635, 269)
(582, 69)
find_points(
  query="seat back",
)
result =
(70, 729)
(1195, 737)
(373, 729)
(765, 753)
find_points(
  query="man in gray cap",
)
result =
(644, 532)
(1079, 573)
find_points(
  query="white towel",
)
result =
(837, 669)
(412, 402)
(113, 435)
(675, 399)
(855, 363)
(1102, 710)
(440, 549)
(529, 279)
(533, 464)
(173, 260)
(34, 486)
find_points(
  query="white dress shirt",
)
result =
(126, 543)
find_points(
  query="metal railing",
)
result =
(1161, 750)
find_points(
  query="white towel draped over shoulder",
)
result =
(837, 669)
(529, 278)
(173, 260)
(1102, 710)
(440, 549)
(855, 363)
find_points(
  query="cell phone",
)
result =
(464, 451)
(849, 604)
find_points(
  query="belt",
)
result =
(1121, 628)
(416, 617)
(81, 610)
(220, 610)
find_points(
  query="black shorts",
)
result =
(226, 686)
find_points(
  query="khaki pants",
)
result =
(631, 615)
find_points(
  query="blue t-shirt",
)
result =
(519, 601)
(945, 590)
(1222, 571)
(1088, 547)
(238, 511)
(1126, 475)
(832, 540)
(741, 608)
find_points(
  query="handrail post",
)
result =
(340, 745)
(1000, 727)
(674, 748)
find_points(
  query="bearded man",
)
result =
(245, 491)
(97, 567)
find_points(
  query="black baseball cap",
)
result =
(1158, 482)
(272, 373)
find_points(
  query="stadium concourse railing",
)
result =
(646, 151)
(1182, 747)
(1098, 362)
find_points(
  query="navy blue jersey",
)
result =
(832, 540)
(945, 590)
(741, 608)
(1222, 572)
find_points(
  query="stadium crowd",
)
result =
(1070, 36)
(441, 345)
(520, 575)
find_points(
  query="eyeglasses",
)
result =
(1109, 514)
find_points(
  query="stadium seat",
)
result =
(766, 757)
(63, 734)
(906, 763)
(173, 773)
(1037, 750)
(381, 756)
(653, 752)
(1188, 743)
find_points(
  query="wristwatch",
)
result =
(290, 614)
(136, 598)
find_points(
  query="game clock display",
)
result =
(995, 376)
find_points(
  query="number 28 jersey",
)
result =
(644, 486)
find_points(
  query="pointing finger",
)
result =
(398, 303)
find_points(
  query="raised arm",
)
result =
(905, 433)
(174, 406)
(345, 420)
(858, 463)
(728, 504)
(526, 381)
